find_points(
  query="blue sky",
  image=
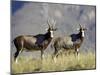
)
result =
(15, 5)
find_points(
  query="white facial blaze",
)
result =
(83, 33)
(51, 33)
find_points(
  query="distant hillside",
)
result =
(32, 17)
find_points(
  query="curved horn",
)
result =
(48, 23)
(85, 28)
(54, 22)
(80, 25)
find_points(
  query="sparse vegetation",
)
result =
(64, 63)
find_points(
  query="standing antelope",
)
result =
(72, 41)
(34, 42)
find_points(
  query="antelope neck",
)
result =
(48, 35)
(81, 36)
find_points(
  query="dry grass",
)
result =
(64, 63)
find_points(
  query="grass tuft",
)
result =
(64, 63)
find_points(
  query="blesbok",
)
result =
(34, 42)
(72, 41)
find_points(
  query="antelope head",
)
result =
(51, 28)
(82, 30)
